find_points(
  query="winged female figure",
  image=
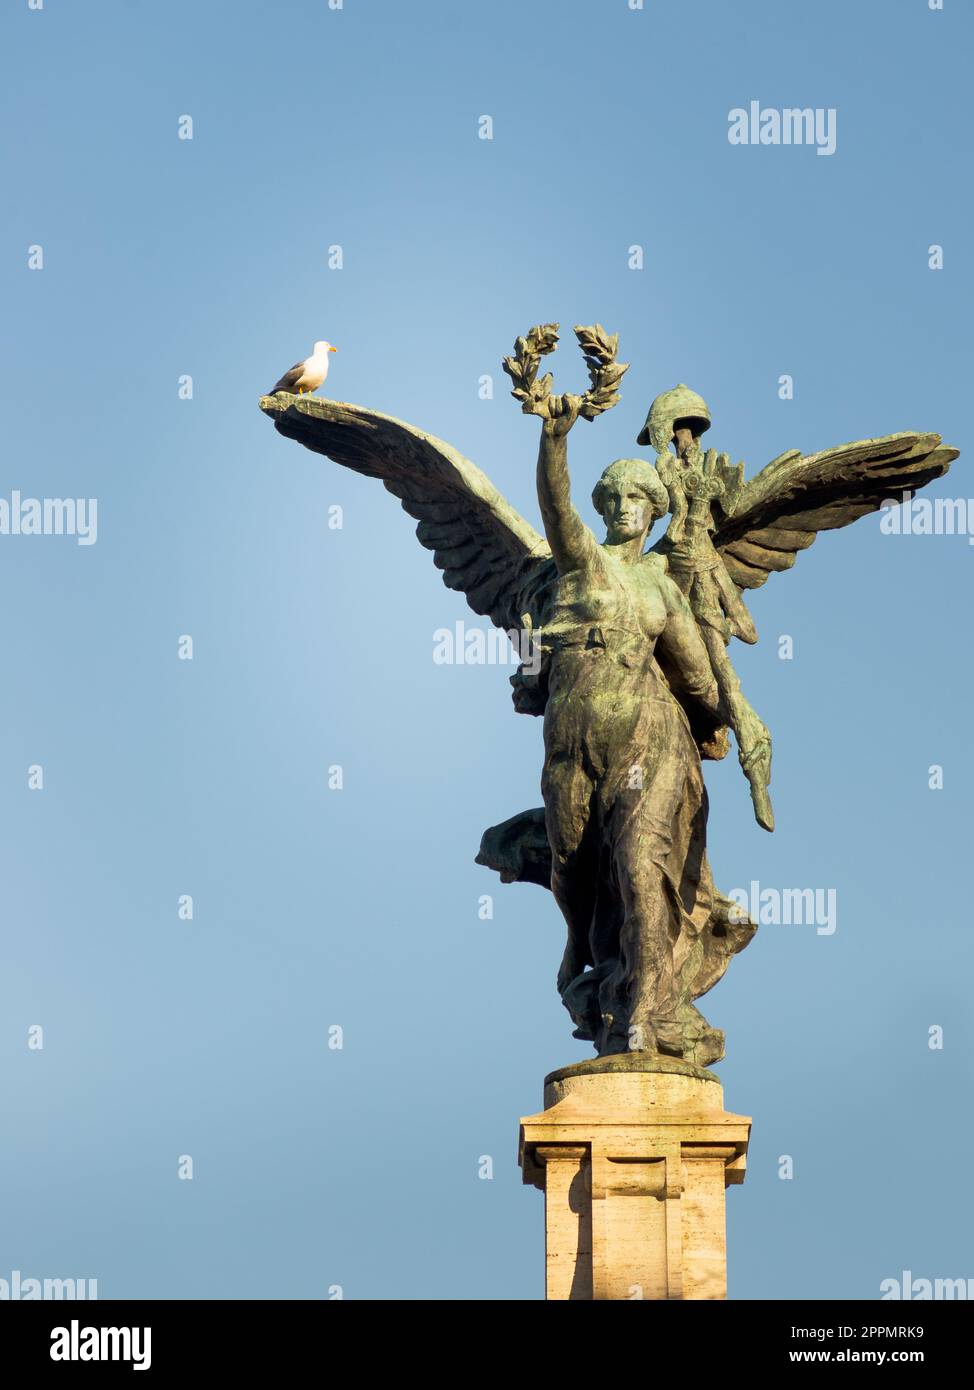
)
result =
(634, 682)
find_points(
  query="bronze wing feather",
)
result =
(782, 509)
(484, 547)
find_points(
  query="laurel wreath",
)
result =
(599, 350)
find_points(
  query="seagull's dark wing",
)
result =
(289, 380)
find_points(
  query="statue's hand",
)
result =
(562, 414)
(667, 469)
(707, 482)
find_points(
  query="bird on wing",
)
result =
(307, 375)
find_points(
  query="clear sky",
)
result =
(313, 128)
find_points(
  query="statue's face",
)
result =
(626, 510)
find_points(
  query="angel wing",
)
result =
(484, 547)
(781, 510)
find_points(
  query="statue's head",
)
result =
(679, 408)
(629, 497)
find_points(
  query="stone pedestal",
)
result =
(633, 1154)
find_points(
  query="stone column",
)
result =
(633, 1153)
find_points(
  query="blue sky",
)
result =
(358, 128)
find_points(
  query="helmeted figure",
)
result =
(694, 483)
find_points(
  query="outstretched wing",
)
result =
(784, 507)
(484, 547)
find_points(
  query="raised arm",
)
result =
(572, 542)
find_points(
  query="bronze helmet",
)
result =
(677, 406)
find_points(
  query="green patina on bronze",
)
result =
(628, 662)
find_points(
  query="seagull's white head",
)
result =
(322, 347)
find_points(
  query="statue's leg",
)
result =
(568, 792)
(644, 986)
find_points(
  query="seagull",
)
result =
(307, 375)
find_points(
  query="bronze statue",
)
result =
(634, 679)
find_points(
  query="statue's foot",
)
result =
(708, 1048)
(580, 996)
(688, 1036)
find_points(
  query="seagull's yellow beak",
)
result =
(332, 349)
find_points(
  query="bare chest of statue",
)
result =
(613, 594)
